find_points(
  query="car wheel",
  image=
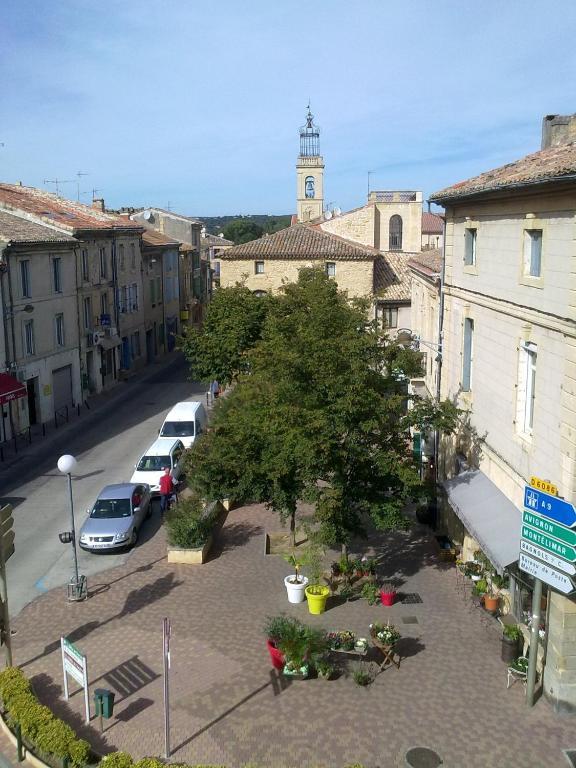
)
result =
(134, 539)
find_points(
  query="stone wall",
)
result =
(357, 225)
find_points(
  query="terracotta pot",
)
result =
(276, 656)
(491, 603)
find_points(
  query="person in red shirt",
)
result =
(166, 490)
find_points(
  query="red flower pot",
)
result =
(387, 598)
(276, 656)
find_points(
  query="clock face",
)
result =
(309, 186)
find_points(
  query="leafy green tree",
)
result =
(233, 324)
(322, 416)
(242, 231)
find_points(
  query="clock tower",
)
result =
(309, 172)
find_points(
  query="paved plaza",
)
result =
(227, 705)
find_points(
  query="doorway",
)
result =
(32, 387)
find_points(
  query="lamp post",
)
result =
(77, 589)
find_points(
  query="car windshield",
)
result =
(107, 508)
(178, 429)
(153, 463)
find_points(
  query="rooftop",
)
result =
(392, 276)
(152, 238)
(301, 241)
(48, 208)
(18, 229)
(550, 165)
(428, 263)
(432, 224)
(209, 239)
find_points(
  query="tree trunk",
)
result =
(293, 527)
(345, 551)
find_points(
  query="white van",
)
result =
(185, 421)
(164, 452)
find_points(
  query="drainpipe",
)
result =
(79, 315)
(3, 269)
(440, 353)
(13, 334)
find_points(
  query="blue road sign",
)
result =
(549, 506)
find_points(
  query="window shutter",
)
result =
(467, 361)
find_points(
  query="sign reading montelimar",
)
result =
(75, 664)
(547, 557)
(541, 571)
(550, 506)
(551, 545)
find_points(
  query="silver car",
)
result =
(115, 519)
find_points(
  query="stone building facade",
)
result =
(509, 361)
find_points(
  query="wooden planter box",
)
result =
(199, 555)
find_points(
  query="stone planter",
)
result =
(196, 556)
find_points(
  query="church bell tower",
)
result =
(309, 172)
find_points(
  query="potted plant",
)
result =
(473, 570)
(358, 566)
(385, 634)
(275, 629)
(387, 593)
(361, 676)
(370, 592)
(481, 587)
(295, 583)
(324, 669)
(301, 645)
(492, 594)
(369, 566)
(316, 593)
(511, 637)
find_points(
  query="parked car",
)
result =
(164, 452)
(185, 421)
(116, 517)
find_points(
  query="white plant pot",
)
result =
(296, 591)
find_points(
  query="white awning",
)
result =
(488, 515)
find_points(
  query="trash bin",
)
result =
(104, 702)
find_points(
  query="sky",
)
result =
(196, 105)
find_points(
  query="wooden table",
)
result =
(389, 654)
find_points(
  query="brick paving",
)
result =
(230, 708)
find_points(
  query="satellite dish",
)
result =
(328, 215)
(337, 211)
(148, 215)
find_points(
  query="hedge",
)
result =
(40, 728)
(124, 760)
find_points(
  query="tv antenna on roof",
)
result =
(56, 182)
(79, 176)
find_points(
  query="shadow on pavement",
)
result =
(233, 535)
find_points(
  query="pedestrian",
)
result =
(166, 490)
(215, 388)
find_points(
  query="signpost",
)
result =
(166, 634)
(75, 664)
(6, 552)
(547, 552)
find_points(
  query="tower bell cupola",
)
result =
(310, 172)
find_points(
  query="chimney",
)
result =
(558, 130)
(98, 204)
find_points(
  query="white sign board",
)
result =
(545, 573)
(548, 557)
(75, 664)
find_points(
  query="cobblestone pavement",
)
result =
(228, 706)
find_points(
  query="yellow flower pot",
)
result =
(317, 596)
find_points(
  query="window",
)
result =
(470, 247)
(56, 276)
(526, 387)
(103, 265)
(152, 283)
(121, 258)
(133, 297)
(259, 267)
(387, 317)
(259, 294)
(395, 233)
(136, 352)
(331, 268)
(25, 279)
(59, 327)
(532, 252)
(29, 348)
(468, 354)
(88, 313)
(124, 298)
(132, 256)
(104, 304)
(309, 186)
(85, 265)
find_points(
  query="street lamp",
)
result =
(77, 586)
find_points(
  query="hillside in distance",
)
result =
(216, 224)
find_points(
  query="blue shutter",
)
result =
(467, 355)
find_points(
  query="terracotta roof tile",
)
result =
(548, 165)
(392, 277)
(428, 262)
(151, 238)
(18, 229)
(301, 241)
(47, 208)
(432, 224)
(215, 240)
